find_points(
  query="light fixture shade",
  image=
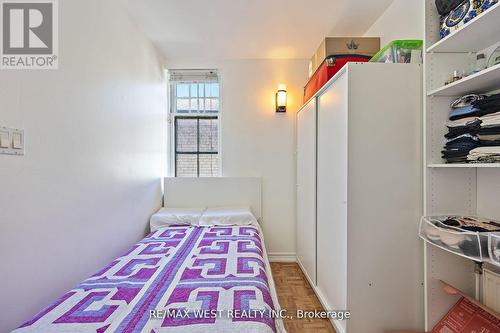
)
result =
(281, 98)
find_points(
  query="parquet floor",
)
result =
(294, 292)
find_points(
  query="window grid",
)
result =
(196, 152)
(197, 100)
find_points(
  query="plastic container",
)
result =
(494, 248)
(469, 244)
(400, 51)
(494, 58)
(480, 62)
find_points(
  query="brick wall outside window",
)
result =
(196, 147)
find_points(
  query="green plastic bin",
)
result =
(400, 51)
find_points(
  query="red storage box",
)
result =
(466, 317)
(328, 68)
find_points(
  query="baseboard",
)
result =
(282, 257)
(335, 323)
(321, 299)
(308, 278)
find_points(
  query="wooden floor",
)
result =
(294, 292)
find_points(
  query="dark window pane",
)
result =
(186, 135)
(209, 166)
(208, 135)
(186, 165)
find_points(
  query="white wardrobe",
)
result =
(359, 195)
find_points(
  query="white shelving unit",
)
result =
(476, 36)
(482, 82)
(454, 189)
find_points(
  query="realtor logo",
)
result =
(29, 34)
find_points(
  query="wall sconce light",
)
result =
(281, 98)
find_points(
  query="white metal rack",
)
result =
(454, 189)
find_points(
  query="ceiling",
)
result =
(276, 29)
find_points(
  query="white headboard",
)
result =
(214, 192)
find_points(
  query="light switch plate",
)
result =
(17, 140)
(11, 141)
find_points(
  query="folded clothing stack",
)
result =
(489, 131)
(489, 154)
(474, 122)
(463, 127)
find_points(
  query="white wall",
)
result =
(256, 141)
(403, 19)
(91, 175)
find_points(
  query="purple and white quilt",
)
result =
(177, 279)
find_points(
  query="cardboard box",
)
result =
(343, 45)
(466, 317)
(312, 63)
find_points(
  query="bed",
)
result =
(179, 278)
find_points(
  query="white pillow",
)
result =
(227, 216)
(175, 216)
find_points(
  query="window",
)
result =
(194, 109)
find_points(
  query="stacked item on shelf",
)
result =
(489, 131)
(365, 46)
(400, 51)
(332, 54)
(473, 130)
(330, 66)
(463, 126)
(463, 235)
(455, 14)
(444, 7)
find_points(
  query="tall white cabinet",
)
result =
(364, 254)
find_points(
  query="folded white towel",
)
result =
(490, 120)
(482, 152)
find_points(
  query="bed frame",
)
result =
(222, 191)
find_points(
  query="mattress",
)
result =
(177, 279)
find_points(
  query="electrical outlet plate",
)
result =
(15, 142)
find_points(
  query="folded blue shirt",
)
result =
(466, 111)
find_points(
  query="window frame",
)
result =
(173, 114)
(197, 152)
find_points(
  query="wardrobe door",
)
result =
(306, 189)
(332, 196)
